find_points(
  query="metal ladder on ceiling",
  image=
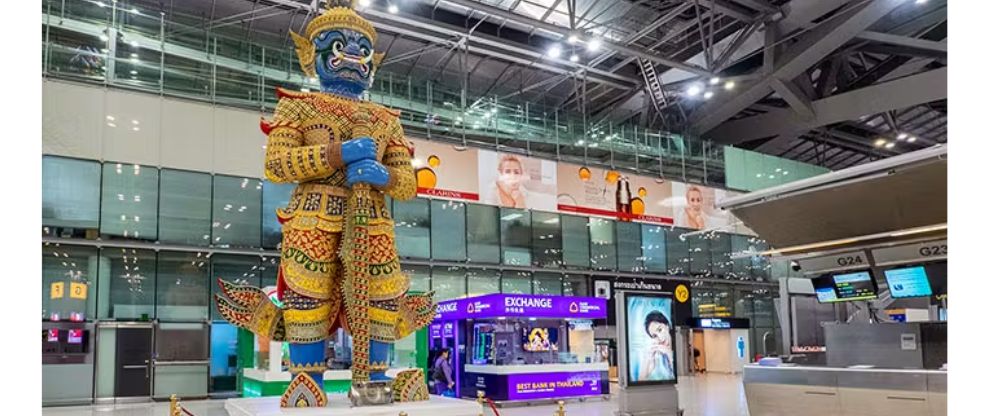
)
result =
(653, 88)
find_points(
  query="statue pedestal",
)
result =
(339, 405)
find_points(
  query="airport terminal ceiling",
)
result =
(834, 83)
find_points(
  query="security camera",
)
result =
(796, 266)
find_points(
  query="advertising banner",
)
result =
(531, 306)
(443, 170)
(693, 206)
(514, 181)
(549, 385)
(649, 339)
(610, 193)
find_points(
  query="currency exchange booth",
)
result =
(522, 347)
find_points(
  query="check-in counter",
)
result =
(832, 391)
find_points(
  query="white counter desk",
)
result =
(534, 368)
(833, 391)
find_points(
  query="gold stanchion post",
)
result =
(174, 407)
(562, 408)
(481, 399)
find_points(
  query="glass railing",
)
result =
(218, 62)
(215, 62)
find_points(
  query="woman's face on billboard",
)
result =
(660, 332)
(510, 167)
(694, 198)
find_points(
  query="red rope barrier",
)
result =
(493, 406)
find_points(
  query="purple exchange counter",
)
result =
(521, 347)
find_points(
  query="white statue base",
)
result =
(339, 405)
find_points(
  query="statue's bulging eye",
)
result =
(337, 46)
(366, 51)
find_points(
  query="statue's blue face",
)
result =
(344, 61)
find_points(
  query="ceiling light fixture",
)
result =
(911, 139)
(694, 90)
(555, 51)
(574, 58)
(879, 142)
(890, 145)
(730, 85)
(393, 9)
(713, 81)
(708, 95)
(593, 45)
(573, 39)
(902, 136)
(365, 3)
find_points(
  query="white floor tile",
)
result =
(702, 395)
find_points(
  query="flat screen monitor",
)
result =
(74, 336)
(858, 285)
(540, 339)
(824, 289)
(908, 282)
(53, 335)
(649, 354)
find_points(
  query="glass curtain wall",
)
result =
(448, 230)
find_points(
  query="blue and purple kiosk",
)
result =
(522, 347)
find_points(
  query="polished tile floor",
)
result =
(702, 395)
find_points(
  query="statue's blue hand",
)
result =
(358, 149)
(367, 171)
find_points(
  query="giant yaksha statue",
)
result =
(339, 267)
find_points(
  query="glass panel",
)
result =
(420, 278)
(515, 236)
(69, 282)
(447, 230)
(741, 263)
(223, 358)
(602, 244)
(575, 241)
(483, 281)
(698, 249)
(548, 284)
(235, 269)
(678, 256)
(126, 286)
(236, 211)
(721, 247)
(182, 286)
(483, 233)
(654, 250)
(546, 239)
(516, 282)
(70, 196)
(185, 207)
(275, 196)
(629, 235)
(574, 285)
(412, 228)
(448, 282)
(128, 201)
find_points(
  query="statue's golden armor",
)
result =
(311, 273)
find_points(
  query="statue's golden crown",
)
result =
(340, 14)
